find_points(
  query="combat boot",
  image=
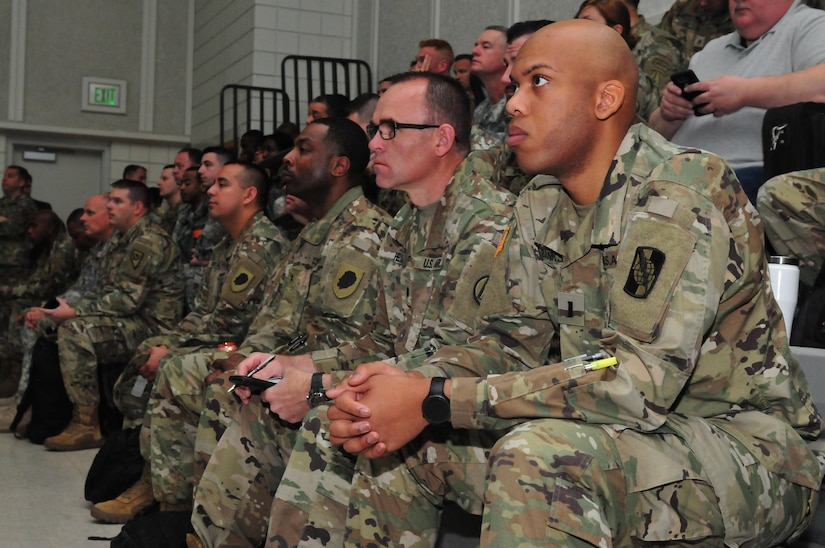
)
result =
(129, 503)
(192, 541)
(82, 433)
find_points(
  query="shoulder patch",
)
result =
(645, 270)
(241, 279)
(346, 280)
(136, 257)
(478, 288)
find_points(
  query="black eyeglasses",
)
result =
(387, 129)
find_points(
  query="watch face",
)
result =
(436, 409)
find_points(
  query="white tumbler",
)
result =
(785, 286)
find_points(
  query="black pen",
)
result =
(258, 368)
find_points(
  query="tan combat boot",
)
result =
(128, 503)
(82, 433)
(192, 541)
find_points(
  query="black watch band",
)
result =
(317, 395)
(436, 406)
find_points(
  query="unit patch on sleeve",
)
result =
(241, 279)
(647, 265)
(347, 280)
(136, 257)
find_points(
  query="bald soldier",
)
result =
(692, 429)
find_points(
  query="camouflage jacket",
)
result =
(139, 279)
(14, 239)
(189, 227)
(693, 27)
(87, 279)
(167, 216)
(435, 262)
(492, 119)
(666, 271)
(325, 291)
(232, 289)
(657, 53)
(55, 269)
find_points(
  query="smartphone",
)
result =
(51, 303)
(255, 385)
(685, 78)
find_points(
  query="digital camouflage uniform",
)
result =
(86, 282)
(693, 26)
(139, 294)
(492, 119)
(14, 236)
(324, 289)
(793, 208)
(190, 227)
(231, 295)
(437, 262)
(699, 433)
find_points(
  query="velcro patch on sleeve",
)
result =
(650, 265)
(472, 284)
(241, 280)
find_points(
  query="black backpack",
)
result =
(793, 138)
(116, 467)
(45, 394)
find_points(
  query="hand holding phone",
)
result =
(683, 79)
(255, 385)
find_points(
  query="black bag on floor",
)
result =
(116, 467)
(793, 138)
(809, 322)
(155, 530)
(45, 393)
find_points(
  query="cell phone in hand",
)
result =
(51, 303)
(255, 385)
(683, 79)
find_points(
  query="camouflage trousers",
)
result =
(234, 496)
(328, 499)
(86, 343)
(175, 447)
(567, 483)
(793, 209)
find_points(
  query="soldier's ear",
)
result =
(250, 194)
(610, 99)
(339, 166)
(446, 139)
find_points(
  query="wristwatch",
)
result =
(436, 406)
(317, 395)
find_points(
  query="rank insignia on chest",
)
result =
(347, 280)
(547, 255)
(647, 265)
(241, 280)
(135, 257)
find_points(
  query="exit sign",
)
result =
(104, 95)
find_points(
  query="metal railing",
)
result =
(251, 107)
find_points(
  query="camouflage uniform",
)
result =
(657, 53)
(14, 240)
(325, 289)
(139, 294)
(167, 216)
(693, 26)
(698, 434)
(793, 208)
(84, 284)
(54, 271)
(228, 300)
(436, 263)
(492, 119)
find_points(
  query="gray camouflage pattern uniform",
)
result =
(492, 119)
(793, 208)
(324, 288)
(437, 262)
(139, 294)
(698, 435)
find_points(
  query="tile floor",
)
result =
(42, 500)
